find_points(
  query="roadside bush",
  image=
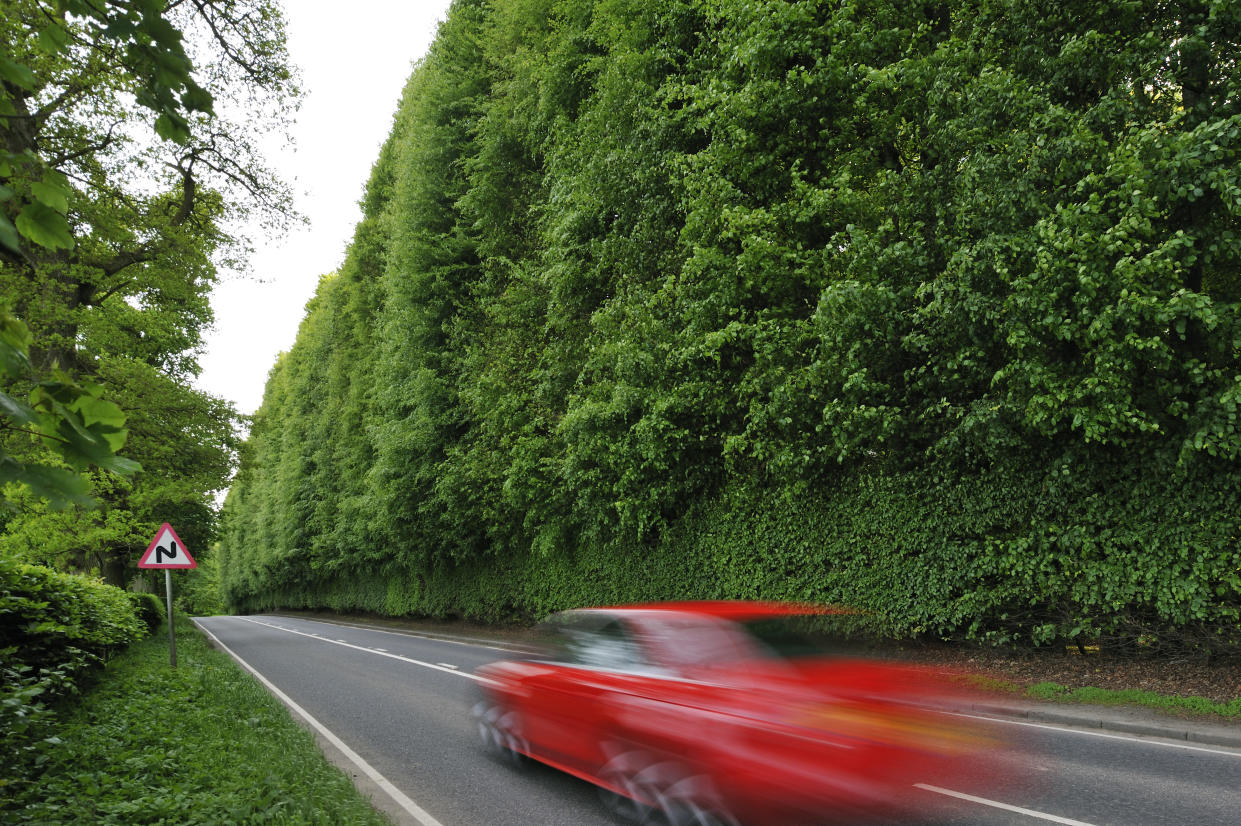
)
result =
(150, 609)
(55, 628)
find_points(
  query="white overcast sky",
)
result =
(354, 59)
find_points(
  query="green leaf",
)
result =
(14, 409)
(173, 127)
(196, 99)
(14, 332)
(8, 234)
(17, 74)
(99, 411)
(52, 195)
(61, 488)
(165, 34)
(120, 465)
(13, 362)
(53, 39)
(45, 226)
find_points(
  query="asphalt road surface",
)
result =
(400, 705)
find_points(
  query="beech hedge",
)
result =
(930, 308)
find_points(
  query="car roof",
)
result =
(736, 610)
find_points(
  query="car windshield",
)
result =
(698, 641)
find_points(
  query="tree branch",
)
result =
(225, 45)
(59, 160)
(16, 429)
(189, 188)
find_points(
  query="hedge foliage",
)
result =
(928, 308)
(55, 628)
(150, 608)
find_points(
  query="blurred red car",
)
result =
(715, 713)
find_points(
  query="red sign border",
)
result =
(142, 563)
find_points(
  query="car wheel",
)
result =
(693, 801)
(631, 795)
(500, 732)
(661, 792)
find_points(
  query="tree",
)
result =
(129, 157)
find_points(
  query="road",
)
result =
(401, 704)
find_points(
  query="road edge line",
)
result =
(401, 799)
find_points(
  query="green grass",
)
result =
(200, 744)
(1135, 697)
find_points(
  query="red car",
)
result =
(714, 713)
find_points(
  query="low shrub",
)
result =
(46, 613)
(55, 628)
(150, 609)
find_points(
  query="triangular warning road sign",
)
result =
(167, 551)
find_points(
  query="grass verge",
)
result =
(200, 744)
(1135, 697)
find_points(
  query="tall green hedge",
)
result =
(936, 305)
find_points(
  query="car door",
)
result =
(592, 658)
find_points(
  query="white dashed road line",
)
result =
(471, 642)
(1089, 733)
(432, 666)
(995, 804)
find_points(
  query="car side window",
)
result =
(595, 641)
(609, 646)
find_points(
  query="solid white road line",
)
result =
(1005, 806)
(432, 666)
(1127, 737)
(417, 812)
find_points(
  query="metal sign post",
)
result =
(167, 551)
(172, 637)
